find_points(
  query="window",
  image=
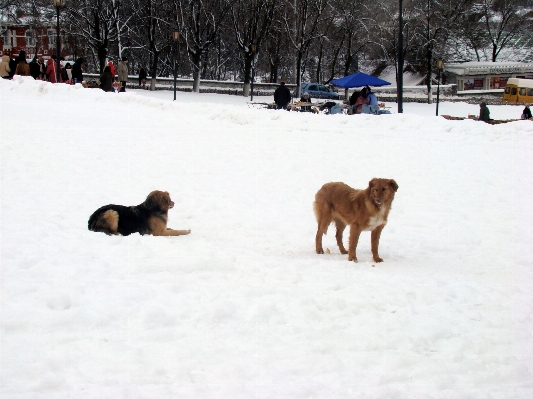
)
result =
(323, 88)
(7, 39)
(513, 91)
(30, 38)
(530, 92)
(312, 87)
(522, 91)
(507, 90)
(51, 38)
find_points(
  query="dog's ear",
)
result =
(393, 185)
(371, 183)
(163, 200)
(158, 200)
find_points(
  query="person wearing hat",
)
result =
(526, 113)
(122, 70)
(282, 96)
(306, 98)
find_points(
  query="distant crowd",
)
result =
(12, 65)
(113, 78)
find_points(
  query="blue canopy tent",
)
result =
(359, 79)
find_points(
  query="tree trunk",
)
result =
(154, 69)
(299, 73)
(248, 60)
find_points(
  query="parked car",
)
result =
(317, 90)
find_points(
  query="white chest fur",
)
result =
(378, 219)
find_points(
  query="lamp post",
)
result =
(400, 60)
(253, 47)
(176, 37)
(440, 64)
(58, 4)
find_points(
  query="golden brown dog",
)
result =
(361, 209)
(150, 217)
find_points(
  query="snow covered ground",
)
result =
(243, 307)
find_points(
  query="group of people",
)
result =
(364, 101)
(68, 73)
(484, 113)
(107, 78)
(39, 70)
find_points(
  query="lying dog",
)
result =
(361, 209)
(150, 217)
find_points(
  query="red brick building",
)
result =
(40, 41)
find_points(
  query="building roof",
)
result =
(488, 68)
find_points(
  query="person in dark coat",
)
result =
(77, 73)
(282, 96)
(484, 113)
(66, 73)
(35, 69)
(354, 96)
(12, 65)
(107, 79)
(142, 76)
(21, 56)
(526, 113)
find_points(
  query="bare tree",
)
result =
(252, 20)
(200, 21)
(302, 20)
(504, 20)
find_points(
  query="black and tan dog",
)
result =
(150, 217)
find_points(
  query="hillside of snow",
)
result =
(243, 307)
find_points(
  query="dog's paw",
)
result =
(377, 259)
(188, 231)
(344, 252)
(352, 259)
(319, 251)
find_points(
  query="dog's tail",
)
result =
(323, 214)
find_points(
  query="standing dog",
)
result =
(361, 209)
(150, 217)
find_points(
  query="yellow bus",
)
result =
(518, 91)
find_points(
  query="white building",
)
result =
(485, 75)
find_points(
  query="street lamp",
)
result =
(440, 64)
(400, 60)
(253, 47)
(58, 4)
(176, 37)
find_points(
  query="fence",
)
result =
(385, 93)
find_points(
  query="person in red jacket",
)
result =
(112, 68)
(51, 69)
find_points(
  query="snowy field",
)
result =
(243, 307)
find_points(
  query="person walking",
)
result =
(122, 70)
(142, 76)
(282, 96)
(77, 73)
(4, 66)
